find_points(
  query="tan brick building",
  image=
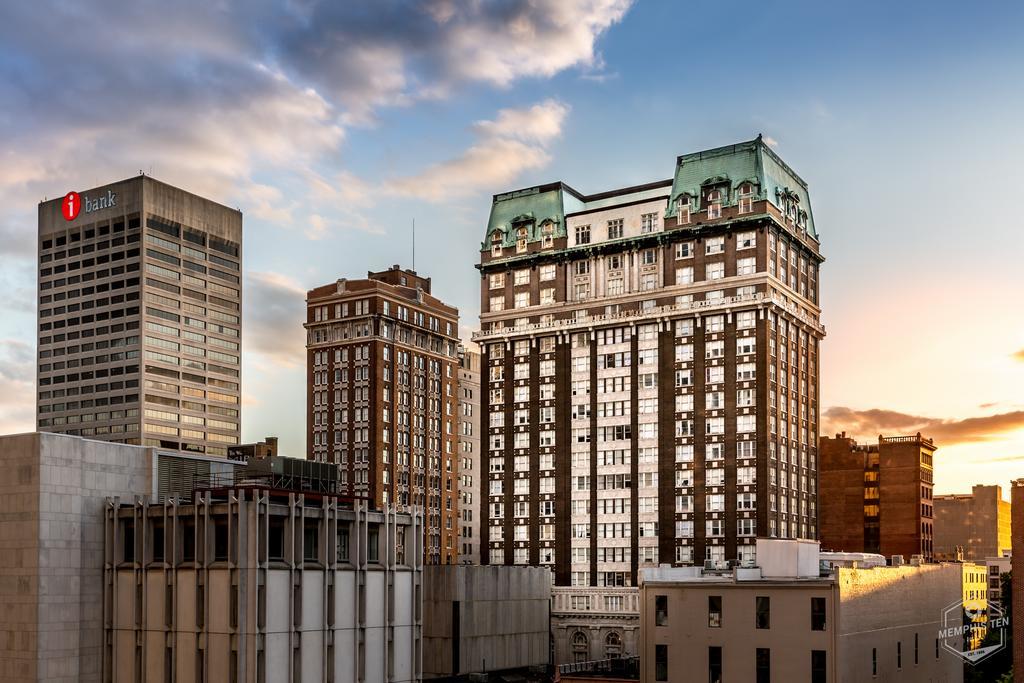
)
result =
(877, 498)
(977, 522)
(382, 392)
(785, 620)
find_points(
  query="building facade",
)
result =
(877, 498)
(650, 369)
(254, 584)
(140, 299)
(997, 566)
(485, 620)
(594, 624)
(382, 395)
(469, 456)
(52, 544)
(1017, 587)
(793, 623)
(976, 523)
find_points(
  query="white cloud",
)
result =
(514, 142)
(247, 91)
(539, 123)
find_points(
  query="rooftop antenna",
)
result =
(414, 245)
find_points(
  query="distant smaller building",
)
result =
(978, 523)
(877, 498)
(254, 451)
(1017, 587)
(794, 619)
(594, 624)
(469, 455)
(485, 619)
(997, 566)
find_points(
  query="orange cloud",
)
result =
(874, 421)
(1019, 355)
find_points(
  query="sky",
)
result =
(333, 126)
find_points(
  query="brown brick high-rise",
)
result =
(1017, 586)
(877, 498)
(650, 369)
(382, 386)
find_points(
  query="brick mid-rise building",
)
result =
(877, 498)
(382, 381)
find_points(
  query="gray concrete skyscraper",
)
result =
(140, 298)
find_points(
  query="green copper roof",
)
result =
(531, 208)
(731, 166)
(725, 167)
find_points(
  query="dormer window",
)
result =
(547, 236)
(520, 240)
(746, 202)
(714, 204)
(496, 238)
(683, 210)
(791, 210)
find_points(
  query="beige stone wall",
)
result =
(502, 617)
(51, 551)
(884, 606)
(688, 636)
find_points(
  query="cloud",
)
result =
(770, 141)
(872, 422)
(244, 88)
(1004, 458)
(515, 141)
(398, 52)
(539, 123)
(17, 387)
(1019, 355)
(275, 309)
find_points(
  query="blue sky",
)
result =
(333, 126)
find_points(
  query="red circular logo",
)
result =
(70, 206)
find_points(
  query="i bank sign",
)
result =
(973, 629)
(73, 203)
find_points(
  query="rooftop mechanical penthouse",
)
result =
(649, 384)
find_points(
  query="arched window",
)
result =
(613, 645)
(714, 204)
(746, 202)
(579, 647)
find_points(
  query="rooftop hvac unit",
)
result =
(896, 561)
